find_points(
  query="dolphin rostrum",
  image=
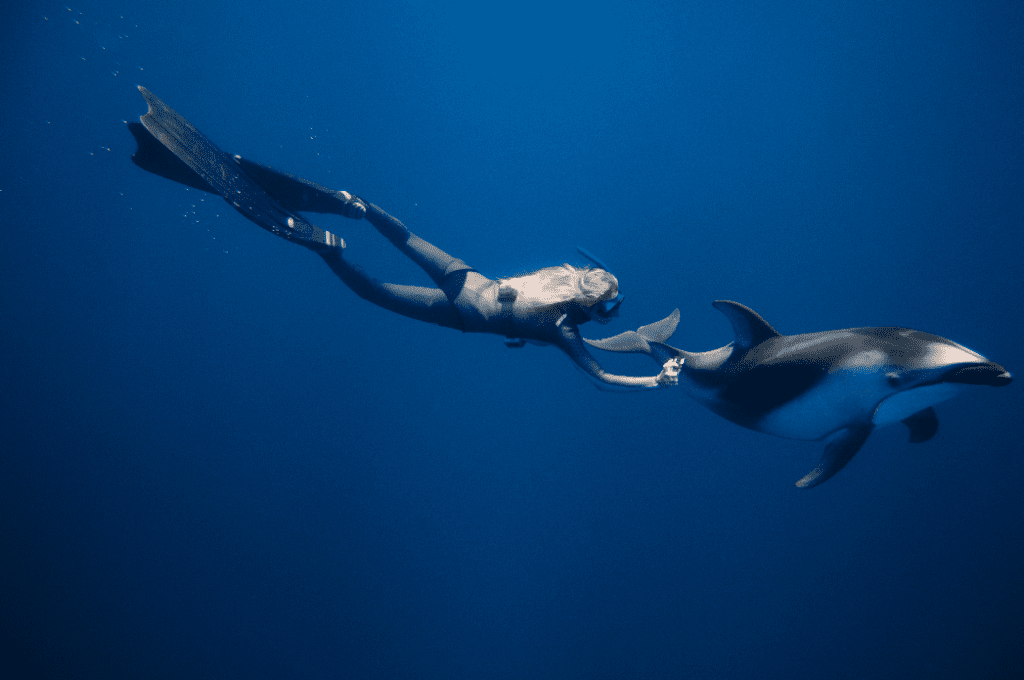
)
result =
(835, 386)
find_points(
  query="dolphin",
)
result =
(832, 386)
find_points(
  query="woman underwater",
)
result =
(545, 306)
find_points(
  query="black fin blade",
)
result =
(750, 328)
(193, 147)
(923, 425)
(226, 177)
(294, 193)
(837, 454)
(154, 157)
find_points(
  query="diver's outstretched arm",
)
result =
(571, 343)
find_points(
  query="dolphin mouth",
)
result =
(990, 374)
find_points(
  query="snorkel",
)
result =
(602, 312)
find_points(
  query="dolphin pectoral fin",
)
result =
(922, 425)
(838, 453)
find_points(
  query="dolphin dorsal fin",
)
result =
(748, 325)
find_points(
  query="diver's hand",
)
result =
(669, 375)
(351, 207)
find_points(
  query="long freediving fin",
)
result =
(293, 193)
(225, 176)
(296, 193)
(750, 328)
(154, 157)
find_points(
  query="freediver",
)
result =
(543, 307)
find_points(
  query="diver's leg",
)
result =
(431, 259)
(416, 302)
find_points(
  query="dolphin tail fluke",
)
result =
(837, 454)
(640, 339)
(630, 341)
(660, 331)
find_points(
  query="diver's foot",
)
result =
(316, 239)
(351, 207)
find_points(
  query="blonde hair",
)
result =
(553, 286)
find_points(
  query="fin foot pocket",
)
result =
(352, 207)
(255, 196)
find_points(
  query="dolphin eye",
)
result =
(893, 378)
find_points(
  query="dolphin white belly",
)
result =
(904, 404)
(841, 401)
(834, 403)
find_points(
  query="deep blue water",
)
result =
(218, 462)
